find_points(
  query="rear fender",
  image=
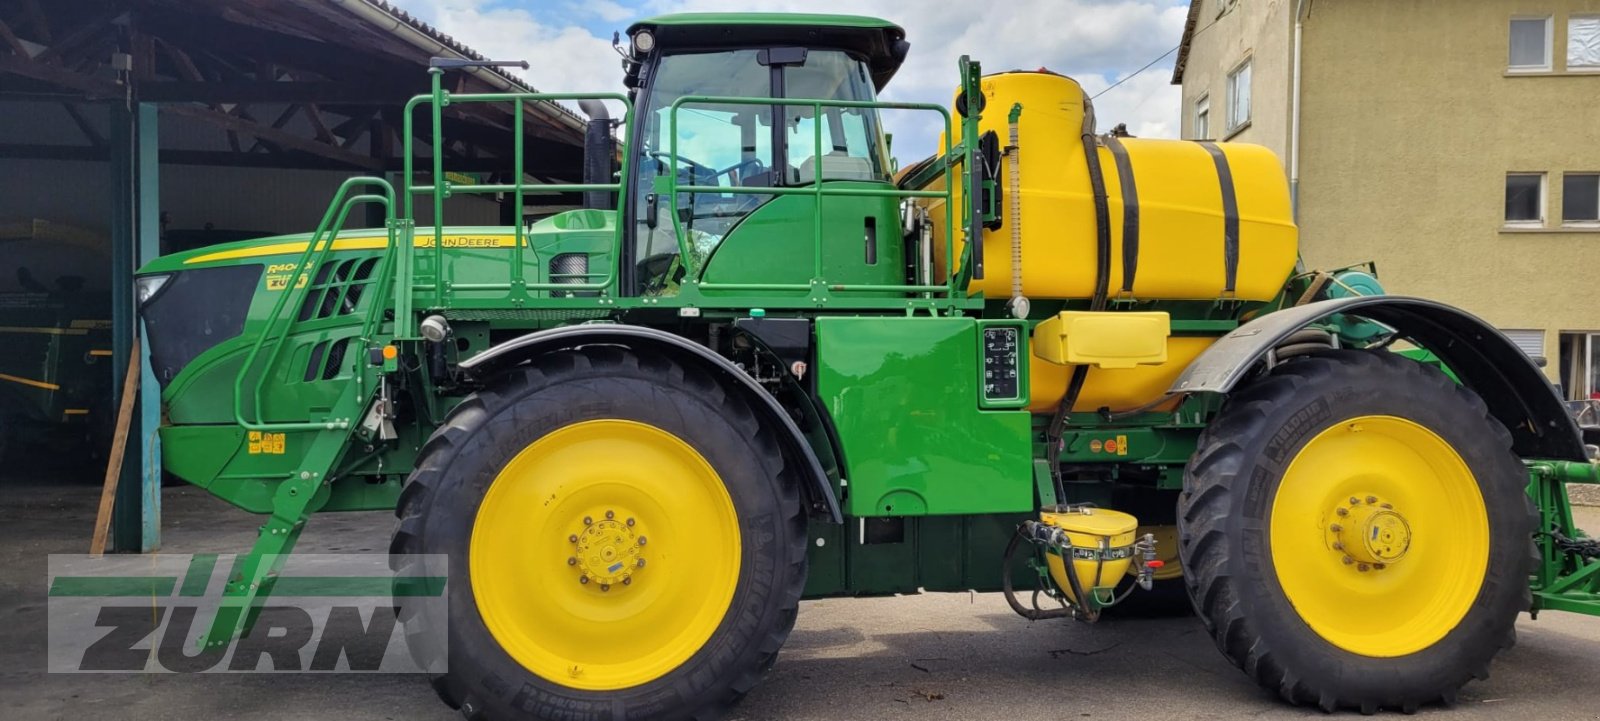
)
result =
(798, 453)
(1517, 393)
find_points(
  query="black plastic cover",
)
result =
(193, 312)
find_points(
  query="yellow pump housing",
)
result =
(1189, 220)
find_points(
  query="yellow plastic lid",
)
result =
(1097, 521)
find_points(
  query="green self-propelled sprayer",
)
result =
(768, 364)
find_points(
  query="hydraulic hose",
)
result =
(1006, 588)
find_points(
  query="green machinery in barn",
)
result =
(763, 365)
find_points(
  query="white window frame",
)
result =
(1549, 45)
(1202, 118)
(1568, 50)
(1590, 223)
(1544, 202)
(1233, 125)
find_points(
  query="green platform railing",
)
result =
(439, 188)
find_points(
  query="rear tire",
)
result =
(571, 638)
(1323, 617)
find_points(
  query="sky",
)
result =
(1097, 42)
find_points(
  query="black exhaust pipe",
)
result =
(599, 155)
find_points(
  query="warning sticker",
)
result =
(265, 443)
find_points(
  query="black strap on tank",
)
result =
(1102, 210)
(1130, 211)
(1230, 216)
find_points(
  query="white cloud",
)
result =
(564, 58)
(1094, 41)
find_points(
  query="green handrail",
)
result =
(299, 286)
(440, 188)
(817, 190)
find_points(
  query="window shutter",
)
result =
(1530, 341)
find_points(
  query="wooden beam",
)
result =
(87, 30)
(283, 119)
(315, 117)
(273, 135)
(354, 129)
(84, 126)
(11, 40)
(243, 91)
(90, 86)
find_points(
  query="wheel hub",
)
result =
(607, 552)
(1368, 533)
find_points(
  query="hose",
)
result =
(1102, 210)
(1006, 588)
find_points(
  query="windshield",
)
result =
(730, 146)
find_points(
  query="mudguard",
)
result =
(818, 491)
(1515, 390)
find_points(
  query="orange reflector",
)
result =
(389, 352)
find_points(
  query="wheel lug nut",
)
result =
(1336, 528)
(572, 538)
(605, 587)
(630, 521)
(1343, 512)
(627, 581)
(1354, 500)
(1389, 506)
(589, 521)
(1372, 500)
(572, 561)
(1362, 567)
(1348, 560)
(641, 540)
(641, 563)
(1337, 546)
(583, 579)
(610, 515)
(1380, 566)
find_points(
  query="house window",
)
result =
(1580, 199)
(1580, 369)
(1525, 199)
(1239, 97)
(1530, 44)
(1583, 42)
(1202, 118)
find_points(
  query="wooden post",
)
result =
(119, 444)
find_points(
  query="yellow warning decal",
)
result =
(265, 443)
(1122, 445)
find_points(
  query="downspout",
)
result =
(1294, 118)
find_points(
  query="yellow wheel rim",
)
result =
(604, 555)
(1379, 536)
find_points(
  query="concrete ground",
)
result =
(928, 658)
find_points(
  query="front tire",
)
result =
(623, 541)
(1355, 532)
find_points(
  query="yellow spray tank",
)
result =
(1187, 221)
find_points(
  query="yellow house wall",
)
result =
(1410, 124)
(1254, 29)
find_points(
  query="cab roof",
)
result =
(880, 42)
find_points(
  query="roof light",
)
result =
(643, 42)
